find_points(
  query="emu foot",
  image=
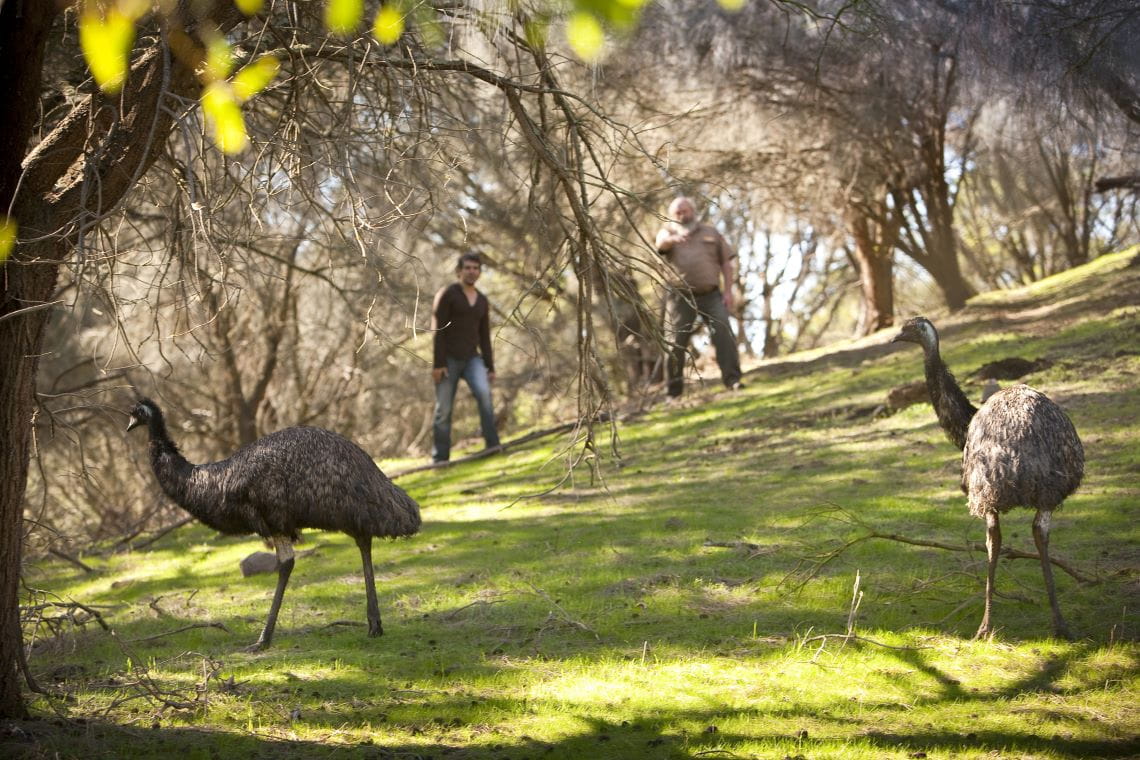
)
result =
(984, 631)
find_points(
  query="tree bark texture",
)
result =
(77, 173)
(24, 28)
(875, 239)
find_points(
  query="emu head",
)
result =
(145, 411)
(918, 330)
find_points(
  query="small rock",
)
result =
(258, 562)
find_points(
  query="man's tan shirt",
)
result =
(699, 258)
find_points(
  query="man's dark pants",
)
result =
(681, 311)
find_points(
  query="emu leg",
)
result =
(1041, 538)
(285, 563)
(993, 549)
(374, 627)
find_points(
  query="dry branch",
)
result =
(842, 515)
(560, 428)
(190, 627)
(71, 559)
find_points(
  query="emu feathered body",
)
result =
(1019, 450)
(326, 481)
(300, 477)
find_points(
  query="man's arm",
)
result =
(485, 340)
(440, 318)
(727, 270)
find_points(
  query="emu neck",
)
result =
(170, 467)
(954, 410)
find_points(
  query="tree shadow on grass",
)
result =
(672, 734)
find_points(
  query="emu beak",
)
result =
(897, 339)
(133, 423)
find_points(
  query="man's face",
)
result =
(469, 272)
(682, 211)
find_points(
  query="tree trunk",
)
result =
(875, 237)
(24, 28)
(106, 143)
(930, 240)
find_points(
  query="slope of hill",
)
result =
(782, 572)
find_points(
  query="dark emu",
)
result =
(1018, 450)
(300, 477)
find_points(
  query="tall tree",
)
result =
(66, 167)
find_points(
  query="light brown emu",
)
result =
(300, 477)
(1018, 450)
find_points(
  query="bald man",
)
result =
(702, 259)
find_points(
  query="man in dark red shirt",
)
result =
(461, 319)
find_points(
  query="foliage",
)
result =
(678, 608)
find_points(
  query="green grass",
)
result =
(592, 620)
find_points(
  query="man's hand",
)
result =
(728, 300)
(669, 236)
(490, 377)
(438, 374)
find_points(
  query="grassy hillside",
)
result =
(693, 600)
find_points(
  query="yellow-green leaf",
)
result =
(343, 16)
(535, 32)
(106, 42)
(389, 24)
(585, 35)
(224, 113)
(429, 26)
(219, 58)
(732, 6)
(249, 7)
(254, 77)
(7, 237)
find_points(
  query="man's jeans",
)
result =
(681, 313)
(474, 371)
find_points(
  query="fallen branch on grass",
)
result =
(190, 627)
(561, 428)
(168, 529)
(731, 545)
(72, 559)
(454, 613)
(864, 639)
(835, 512)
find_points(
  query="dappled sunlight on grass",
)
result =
(692, 598)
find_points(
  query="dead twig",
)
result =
(161, 533)
(731, 545)
(190, 627)
(72, 559)
(842, 515)
(855, 637)
(562, 613)
(454, 613)
(561, 428)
